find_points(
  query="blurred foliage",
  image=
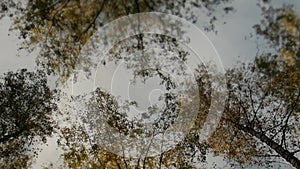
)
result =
(61, 27)
(80, 151)
(26, 116)
(260, 124)
(81, 154)
(261, 121)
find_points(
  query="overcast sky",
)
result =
(229, 41)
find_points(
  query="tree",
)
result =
(82, 151)
(262, 116)
(26, 116)
(260, 123)
(100, 109)
(62, 27)
(79, 153)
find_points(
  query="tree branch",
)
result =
(287, 155)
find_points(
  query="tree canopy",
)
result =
(26, 113)
(259, 126)
(264, 96)
(62, 27)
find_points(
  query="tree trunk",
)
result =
(288, 156)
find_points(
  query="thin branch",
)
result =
(287, 119)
